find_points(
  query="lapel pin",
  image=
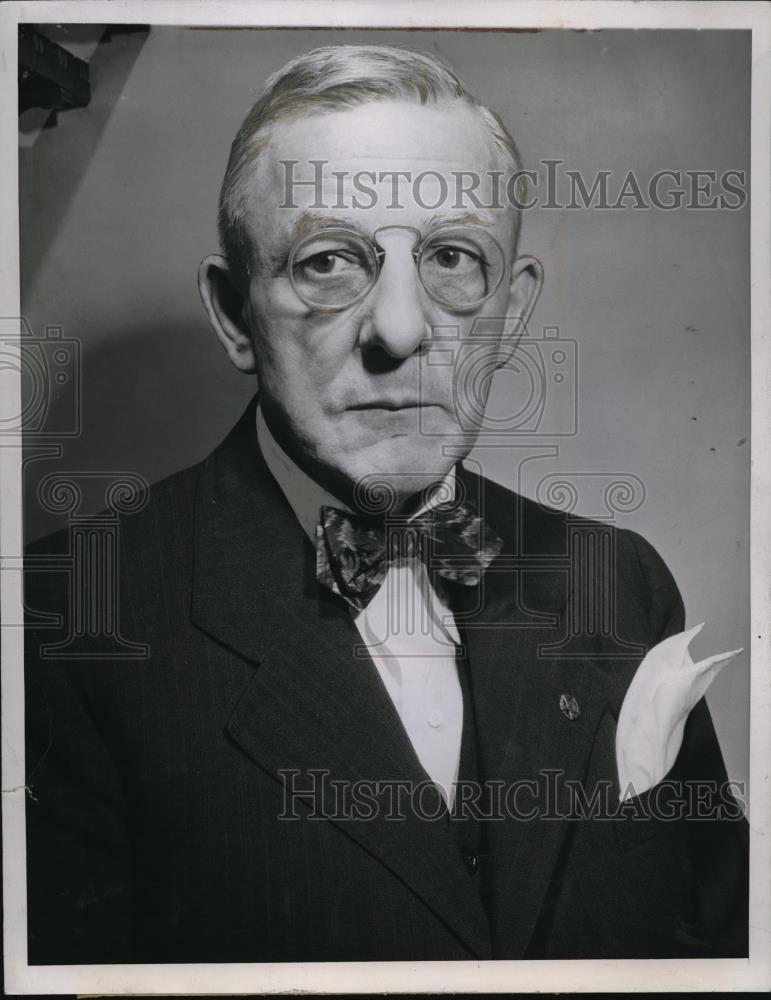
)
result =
(569, 707)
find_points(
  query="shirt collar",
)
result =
(305, 496)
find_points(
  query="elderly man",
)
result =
(359, 733)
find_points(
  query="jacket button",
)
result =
(471, 861)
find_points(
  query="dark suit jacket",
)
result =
(156, 785)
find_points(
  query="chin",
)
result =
(391, 471)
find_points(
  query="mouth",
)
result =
(391, 404)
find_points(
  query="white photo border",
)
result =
(651, 975)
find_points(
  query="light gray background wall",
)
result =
(118, 205)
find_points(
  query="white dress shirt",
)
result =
(408, 630)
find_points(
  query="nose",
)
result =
(397, 321)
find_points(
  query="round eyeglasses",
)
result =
(459, 266)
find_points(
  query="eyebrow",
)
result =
(309, 220)
(462, 219)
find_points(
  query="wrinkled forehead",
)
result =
(385, 130)
(381, 164)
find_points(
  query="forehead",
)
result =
(385, 162)
(386, 129)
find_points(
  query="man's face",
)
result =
(356, 392)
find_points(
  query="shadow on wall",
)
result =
(41, 214)
(127, 380)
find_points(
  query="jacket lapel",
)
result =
(313, 704)
(525, 737)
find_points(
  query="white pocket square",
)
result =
(663, 691)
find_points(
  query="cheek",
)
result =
(471, 387)
(479, 336)
(295, 349)
(498, 305)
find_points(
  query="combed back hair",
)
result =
(333, 78)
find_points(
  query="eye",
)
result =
(328, 263)
(321, 263)
(454, 258)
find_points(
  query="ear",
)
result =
(225, 306)
(525, 287)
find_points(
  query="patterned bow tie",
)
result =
(351, 556)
